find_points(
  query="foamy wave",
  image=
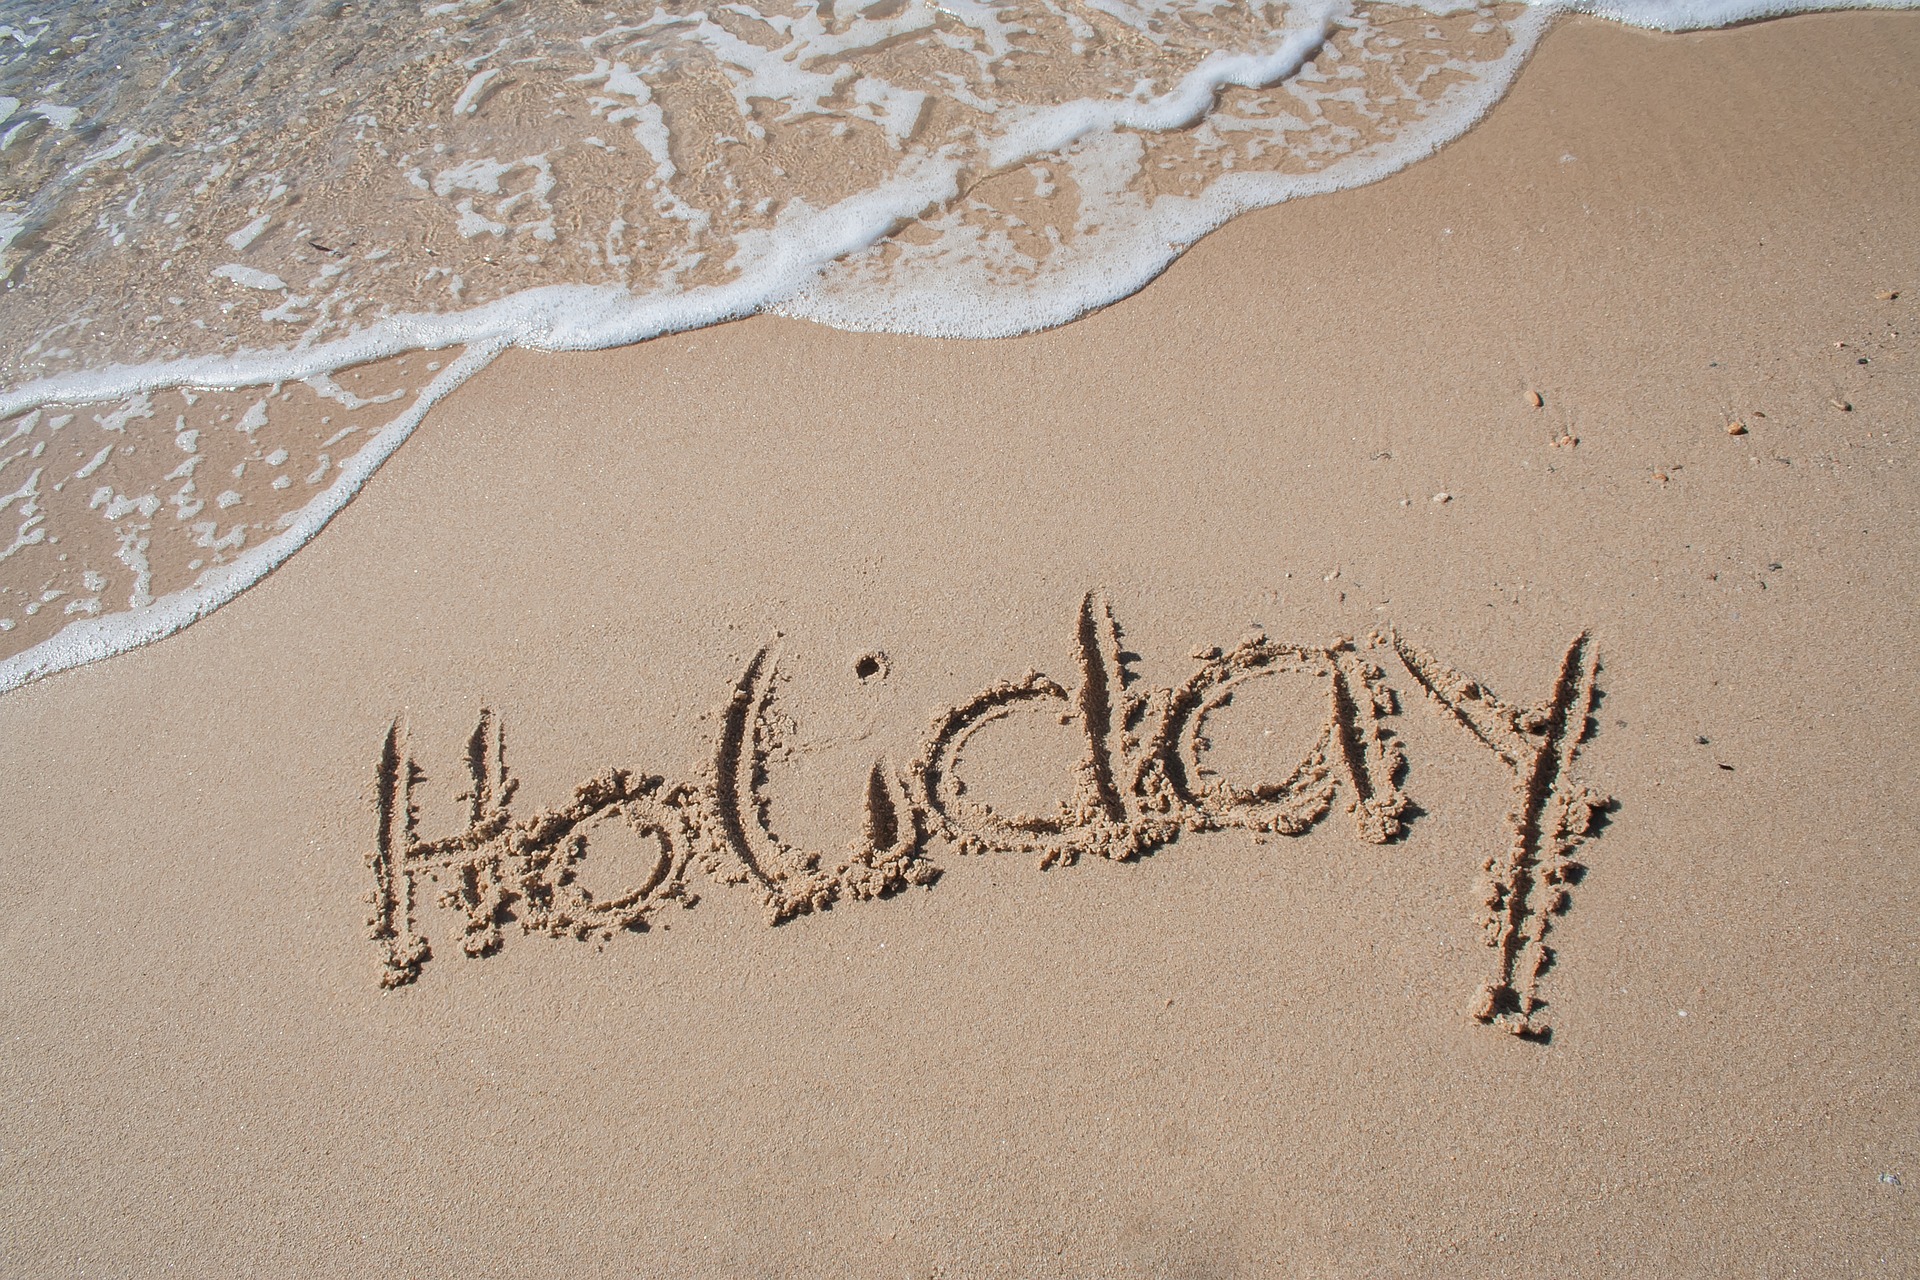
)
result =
(198, 198)
(1703, 15)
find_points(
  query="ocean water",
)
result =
(245, 248)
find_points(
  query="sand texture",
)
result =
(1389, 753)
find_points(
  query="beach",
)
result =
(1633, 360)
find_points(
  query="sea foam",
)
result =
(200, 199)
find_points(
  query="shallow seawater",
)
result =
(243, 248)
(186, 179)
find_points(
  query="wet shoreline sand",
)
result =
(1242, 1053)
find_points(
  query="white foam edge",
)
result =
(1702, 15)
(551, 318)
(90, 639)
(582, 317)
(560, 317)
(1175, 223)
(1041, 130)
(587, 317)
(1172, 224)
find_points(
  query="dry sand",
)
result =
(1238, 1054)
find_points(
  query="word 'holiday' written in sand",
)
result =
(1142, 783)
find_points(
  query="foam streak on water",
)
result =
(213, 219)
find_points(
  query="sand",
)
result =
(793, 583)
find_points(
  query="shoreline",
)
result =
(561, 318)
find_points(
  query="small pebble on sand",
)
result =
(1736, 428)
(1842, 405)
(1535, 399)
(1443, 497)
(1887, 295)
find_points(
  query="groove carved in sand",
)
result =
(1142, 780)
(1527, 885)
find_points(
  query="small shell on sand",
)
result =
(1887, 295)
(1736, 428)
(1443, 497)
(1841, 405)
(1535, 399)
